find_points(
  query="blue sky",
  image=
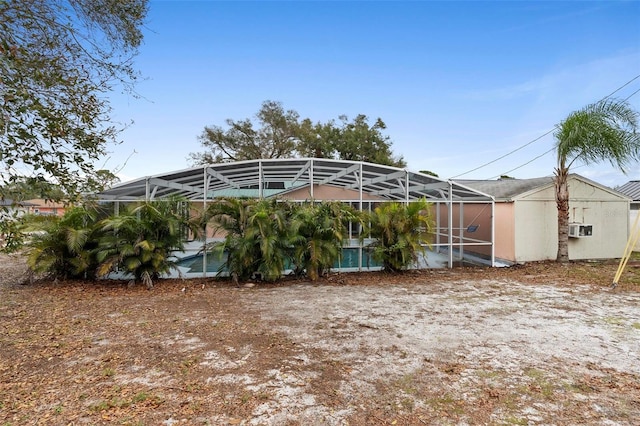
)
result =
(459, 84)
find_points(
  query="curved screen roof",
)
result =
(271, 177)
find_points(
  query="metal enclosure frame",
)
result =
(276, 177)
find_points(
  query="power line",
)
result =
(505, 155)
(545, 134)
(622, 87)
(553, 148)
(522, 165)
(627, 98)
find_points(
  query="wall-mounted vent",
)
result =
(580, 230)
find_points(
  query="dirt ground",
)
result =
(539, 344)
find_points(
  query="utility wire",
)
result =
(503, 156)
(540, 137)
(522, 165)
(553, 148)
(627, 98)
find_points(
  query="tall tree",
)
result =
(281, 134)
(58, 58)
(604, 131)
(26, 188)
(317, 140)
(364, 142)
(274, 138)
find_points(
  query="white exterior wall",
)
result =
(536, 223)
(536, 236)
(633, 214)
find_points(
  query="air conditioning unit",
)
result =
(580, 230)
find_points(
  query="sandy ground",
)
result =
(496, 328)
(451, 348)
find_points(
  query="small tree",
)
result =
(317, 232)
(268, 229)
(65, 247)
(604, 131)
(400, 230)
(255, 237)
(141, 241)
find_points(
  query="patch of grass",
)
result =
(614, 320)
(58, 409)
(119, 402)
(108, 372)
(140, 397)
(488, 374)
(636, 325)
(407, 384)
(245, 397)
(408, 404)
(188, 364)
(512, 420)
(580, 387)
(540, 384)
(446, 403)
(100, 406)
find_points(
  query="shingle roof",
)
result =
(8, 202)
(505, 189)
(631, 189)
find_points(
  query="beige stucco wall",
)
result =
(536, 230)
(537, 226)
(505, 238)
(326, 193)
(480, 214)
(473, 215)
(632, 218)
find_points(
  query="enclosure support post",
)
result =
(406, 189)
(311, 179)
(360, 251)
(204, 209)
(260, 182)
(493, 232)
(438, 206)
(450, 224)
(462, 228)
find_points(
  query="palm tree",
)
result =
(255, 237)
(604, 131)
(317, 231)
(268, 229)
(63, 247)
(400, 230)
(141, 241)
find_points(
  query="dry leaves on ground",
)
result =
(534, 344)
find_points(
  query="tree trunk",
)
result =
(562, 202)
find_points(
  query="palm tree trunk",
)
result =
(562, 202)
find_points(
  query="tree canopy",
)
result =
(58, 59)
(280, 133)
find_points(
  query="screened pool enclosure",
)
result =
(464, 218)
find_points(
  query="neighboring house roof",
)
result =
(631, 189)
(8, 202)
(508, 189)
(42, 203)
